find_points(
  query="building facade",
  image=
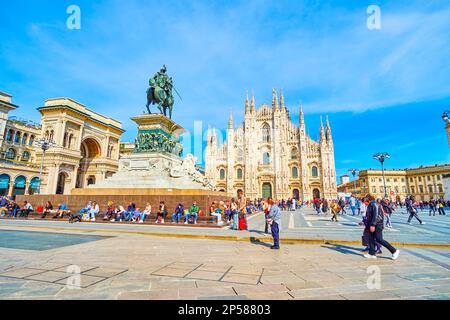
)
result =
(268, 155)
(424, 183)
(19, 173)
(86, 148)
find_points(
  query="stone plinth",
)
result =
(156, 161)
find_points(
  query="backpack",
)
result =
(380, 214)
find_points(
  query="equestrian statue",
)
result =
(160, 92)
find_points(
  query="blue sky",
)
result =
(384, 90)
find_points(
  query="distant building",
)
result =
(269, 155)
(424, 183)
(345, 179)
(86, 151)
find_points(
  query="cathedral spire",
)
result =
(252, 103)
(322, 130)
(329, 136)
(282, 100)
(230, 121)
(302, 116)
(246, 103)
(274, 100)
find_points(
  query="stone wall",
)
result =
(76, 202)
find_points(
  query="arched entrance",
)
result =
(91, 180)
(266, 190)
(4, 184)
(90, 150)
(316, 194)
(34, 186)
(61, 183)
(19, 186)
(296, 194)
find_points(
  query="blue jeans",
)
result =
(127, 215)
(235, 224)
(177, 216)
(143, 215)
(13, 213)
(275, 234)
(91, 215)
(190, 214)
(353, 210)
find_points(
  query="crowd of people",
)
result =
(376, 214)
(231, 212)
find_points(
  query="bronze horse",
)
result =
(156, 95)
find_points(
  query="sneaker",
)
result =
(379, 252)
(395, 255)
(93, 219)
(185, 222)
(408, 222)
(423, 222)
(369, 256)
(275, 248)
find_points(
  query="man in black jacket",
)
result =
(375, 225)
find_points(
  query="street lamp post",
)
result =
(354, 172)
(45, 145)
(446, 119)
(382, 156)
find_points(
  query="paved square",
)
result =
(159, 267)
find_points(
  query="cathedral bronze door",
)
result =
(316, 194)
(296, 194)
(266, 190)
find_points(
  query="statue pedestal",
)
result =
(156, 161)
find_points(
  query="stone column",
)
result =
(11, 188)
(27, 187)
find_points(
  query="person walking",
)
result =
(352, 203)
(411, 207)
(375, 225)
(274, 219)
(440, 206)
(388, 209)
(432, 205)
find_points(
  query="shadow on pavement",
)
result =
(344, 249)
(259, 242)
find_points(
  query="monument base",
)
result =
(156, 161)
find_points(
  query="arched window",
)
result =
(66, 139)
(10, 154)
(266, 158)
(315, 172)
(17, 137)
(266, 133)
(30, 143)
(294, 154)
(239, 173)
(9, 136)
(25, 138)
(70, 140)
(222, 174)
(25, 156)
(294, 172)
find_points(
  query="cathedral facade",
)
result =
(269, 155)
